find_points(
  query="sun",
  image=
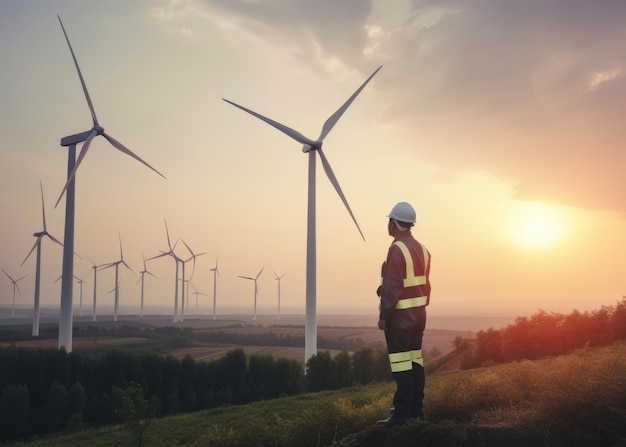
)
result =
(537, 225)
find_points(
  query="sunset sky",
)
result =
(500, 121)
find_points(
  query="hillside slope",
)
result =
(572, 400)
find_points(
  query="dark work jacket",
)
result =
(392, 286)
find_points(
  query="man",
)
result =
(404, 294)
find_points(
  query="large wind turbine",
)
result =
(255, 288)
(15, 287)
(116, 264)
(216, 272)
(66, 315)
(311, 146)
(39, 235)
(171, 253)
(278, 277)
(143, 273)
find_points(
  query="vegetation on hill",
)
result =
(577, 399)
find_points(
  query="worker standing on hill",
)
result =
(404, 294)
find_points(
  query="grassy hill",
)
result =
(572, 400)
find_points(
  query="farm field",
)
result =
(334, 327)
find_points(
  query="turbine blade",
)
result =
(245, 277)
(127, 266)
(32, 249)
(167, 233)
(257, 276)
(331, 176)
(43, 208)
(330, 122)
(80, 75)
(121, 253)
(7, 275)
(119, 146)
(284, 129)
(83, 152)
(53, 239)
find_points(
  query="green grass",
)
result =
(572, 400)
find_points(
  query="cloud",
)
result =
(531, 90)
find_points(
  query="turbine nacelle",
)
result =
(315, 146)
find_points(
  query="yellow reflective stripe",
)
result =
(400, 361)
(395, 357)
(408, 303)
(411, 280)
(402, 366)
(416, 357)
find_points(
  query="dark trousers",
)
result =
(404, 347)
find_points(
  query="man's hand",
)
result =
(382, 325)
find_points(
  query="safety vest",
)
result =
(411, 280)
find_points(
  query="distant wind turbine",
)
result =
(66, 315)
(80, 308)
(256, 290)
(15, 287)
(196, 293)
(171, 253)
(116, 264)
(216, 272)
(183, 262)
(143, 273)
(39, 235)
(278, 278)
(95, 268)
(311, 146)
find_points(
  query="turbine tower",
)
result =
(311, 146)
(66, 315)
(255, 288)
(39, 235)
(278, 277)
(116, 264)
(143, 273)
(171, 253)
(15, 287)
(216, 272)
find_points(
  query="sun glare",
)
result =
(537, 225)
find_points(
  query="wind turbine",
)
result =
(116, 264)
(15, 287)
(196, 293)
(215, 271)
(278, 278)
(66, 315)
(95, 268)
(143, 273)
(171, 253)
(39, 235)
(80, 281)
(191, 258)
(255, 288)
(311, 146)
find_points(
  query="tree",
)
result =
(13, 412)
(135, 411)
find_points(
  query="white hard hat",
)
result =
(402, 212)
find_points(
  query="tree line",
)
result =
(545, 334)
(48, 390)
